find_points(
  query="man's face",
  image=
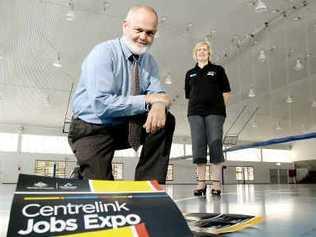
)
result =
(140, 30)
(202, 53)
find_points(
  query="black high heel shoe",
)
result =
(217, 191)
(200, 192)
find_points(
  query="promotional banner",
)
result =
(44, 206)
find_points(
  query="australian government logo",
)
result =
(40, 186)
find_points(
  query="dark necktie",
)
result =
(134, 126)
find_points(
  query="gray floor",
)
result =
(289, 210)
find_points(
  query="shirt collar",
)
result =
(206, 66)
(126, 51)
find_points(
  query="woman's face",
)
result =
(202, 53)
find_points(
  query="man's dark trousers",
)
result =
(94, 146)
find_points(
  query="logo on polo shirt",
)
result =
(211, 73)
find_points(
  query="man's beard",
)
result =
(135, 48)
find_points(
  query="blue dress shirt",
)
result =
(103, 94)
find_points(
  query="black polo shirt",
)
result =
(204, 87)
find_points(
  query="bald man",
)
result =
(105, 103)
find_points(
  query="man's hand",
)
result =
(156, 118)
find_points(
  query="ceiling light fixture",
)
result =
(299, 65)
(188, 27)
(163, 19)
(208, 38)
(289, 100)
(278, 126)
(262, 56)
(47, 100)
(57, 63)
(157, 35)
(168, 80)
(298, 18)
(275, 10)
(260, 6)
(70, 15)
(251, 93)
(106, 5)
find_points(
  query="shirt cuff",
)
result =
(139, 103)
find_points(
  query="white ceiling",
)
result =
(32, 33)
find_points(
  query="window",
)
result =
(45, 144)
(271, 155)
(170, 173)
(208, 176)
(177, 150)
(125, 153)
(239, 173)
(46, 168)
(188, 149)
(65, 168)
(244, 174)
(117, 171)
(8, 141)
(251, 154)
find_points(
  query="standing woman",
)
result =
(207, 88)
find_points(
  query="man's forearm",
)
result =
(158, 98)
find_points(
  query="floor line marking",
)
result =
(184, 199)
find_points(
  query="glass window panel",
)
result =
(46, 168)
(250, 173)
(177, 150)
(245, 173)
(9, 142)
(117, 171)
(208, 175)
(273, 155)
(239, 174)
(251, 154)
(45, 144)
(188, 149)
(170, 173)
(125, 153)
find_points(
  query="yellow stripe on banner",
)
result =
(119, 232)
(43, 198)
(239, 226)
(121, 186)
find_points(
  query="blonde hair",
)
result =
(199, 44)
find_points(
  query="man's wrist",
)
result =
(160, 102)
(147, 106)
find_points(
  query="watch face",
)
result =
(147, 106)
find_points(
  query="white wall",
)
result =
(261, 171)
(184, 169)
(304, 150)
(13, 163)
